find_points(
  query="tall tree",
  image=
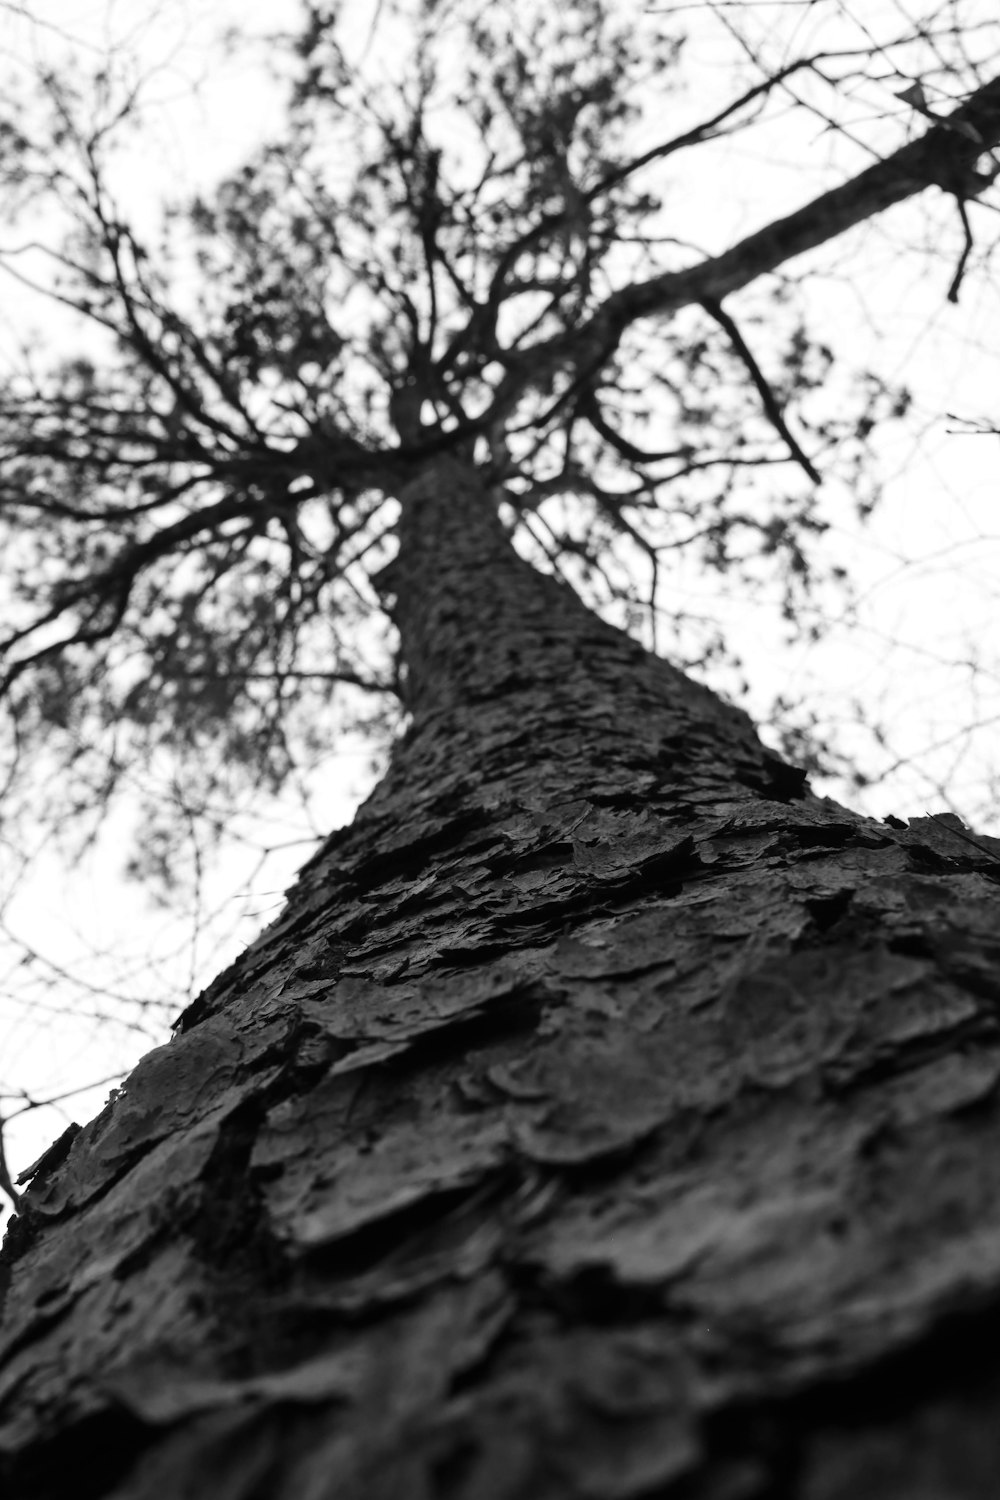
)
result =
(476, 254)
(605, 1114)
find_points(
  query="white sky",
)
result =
(927, 563)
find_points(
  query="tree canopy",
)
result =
(472, 253)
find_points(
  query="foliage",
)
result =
(193, 517)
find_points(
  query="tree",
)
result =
(605, 1114)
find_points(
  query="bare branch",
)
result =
(768, 399)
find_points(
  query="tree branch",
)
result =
(944, 155)
(768, 399)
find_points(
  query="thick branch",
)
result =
(944, 157)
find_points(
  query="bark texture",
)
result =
(605, 1117)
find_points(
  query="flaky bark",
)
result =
(605, 1116)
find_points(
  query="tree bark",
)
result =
(605, 1116)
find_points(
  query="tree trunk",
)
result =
(606, 1116)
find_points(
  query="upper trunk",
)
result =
(602, 1117)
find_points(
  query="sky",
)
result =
(925, 568)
